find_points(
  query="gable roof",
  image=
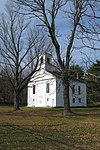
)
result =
(58, 75)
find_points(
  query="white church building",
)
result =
(45, 87)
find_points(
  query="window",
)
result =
(47, 88)
(73, 100)
(48, 60)
(33, 89)
(73, 89)
(79, 90)
(47, 99)
(42, 60)
(79, 100)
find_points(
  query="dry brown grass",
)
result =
(48, 129)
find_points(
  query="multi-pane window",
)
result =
(79, 90)
(79, 100)
(73, 100)
(33, 89)
(48, 60)
(42, 60)
(47, 99)
(47, 88)
(73, 89)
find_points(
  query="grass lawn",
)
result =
(48, 129)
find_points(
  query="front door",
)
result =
(41, 94)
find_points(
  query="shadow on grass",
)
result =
(50, 112)
(38, 138)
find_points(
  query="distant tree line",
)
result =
(93, 82)
(7, 91)
(92, 79)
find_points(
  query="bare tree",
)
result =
(20, 49)
(83, 15)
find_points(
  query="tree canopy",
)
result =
(76, 71)
(93, 82)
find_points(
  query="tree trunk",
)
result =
(16, 101)
(67, 109)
